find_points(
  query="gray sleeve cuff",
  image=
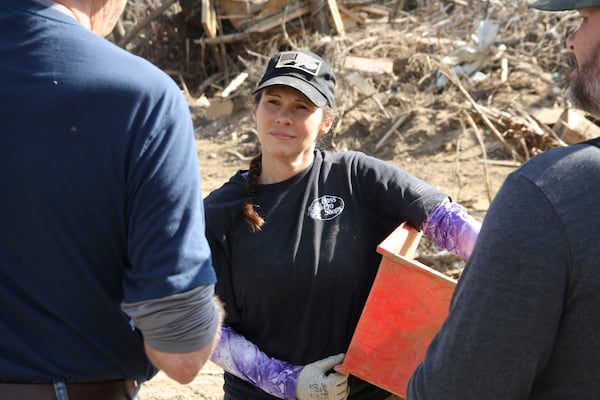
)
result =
(181, 323)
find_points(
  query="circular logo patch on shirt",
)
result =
(326, 207)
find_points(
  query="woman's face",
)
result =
(288, 124)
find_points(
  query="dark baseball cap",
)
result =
(304, 71)
(562, 5)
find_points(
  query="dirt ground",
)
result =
(208, 385)
(463, 138)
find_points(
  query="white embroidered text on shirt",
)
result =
(326, 207)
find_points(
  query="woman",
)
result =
(294, 241)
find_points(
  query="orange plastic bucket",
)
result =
(407, 304)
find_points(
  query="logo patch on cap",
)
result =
(301, 61)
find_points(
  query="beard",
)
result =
(584, 90)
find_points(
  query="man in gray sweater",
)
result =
(524, 322)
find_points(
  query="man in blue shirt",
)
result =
(105, 273)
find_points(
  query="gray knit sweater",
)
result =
(524, 322)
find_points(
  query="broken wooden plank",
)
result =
(219, 107)
(350, 15)
(376, 9)
(362, 85)
(367, 90)
(399, 6)
(239, 12)
(234, 84)
(318, 16)
(547, 116)
(399, 122)
(208, 19)
(336, 17)
(573, 127)
(280, 18)
(271, 7)
(232, 37)
(366, 64)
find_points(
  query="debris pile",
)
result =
(493, 67)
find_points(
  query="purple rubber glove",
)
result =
(243, 359)
(452, 228)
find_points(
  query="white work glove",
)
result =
(318, 381)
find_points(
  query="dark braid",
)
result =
(253, 219)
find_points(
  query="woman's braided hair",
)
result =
(254, 220)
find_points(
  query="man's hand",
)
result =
(318, 381)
